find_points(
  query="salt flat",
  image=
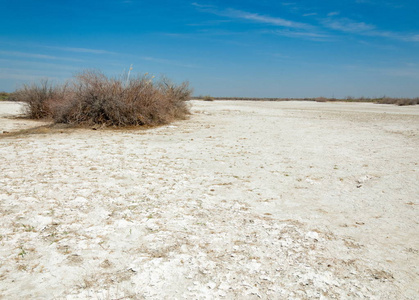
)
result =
(10, 113)
(271, 200)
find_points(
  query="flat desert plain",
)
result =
(244, 200)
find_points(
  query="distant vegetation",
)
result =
(207, 98)
(92, 98)
(4, 96)
(382, 100)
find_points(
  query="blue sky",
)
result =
(223, 48)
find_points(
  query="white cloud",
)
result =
(36, 55)
(333, 13)
(21, 76)
(291, 28)
(319, 37)
(348, 25)
(402, 72)
(310, 14)
(412, 38)
(81, 50)
(28, 75)
(361, 28)
(254, 17)
(202, 5)
(168, 62)
(266, 19)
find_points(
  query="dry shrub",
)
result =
(176, 95)
(95, 99)
(4, 96)
(321, 99)
(398, 101)
(207, 98)
(407, 101)
(40, 98)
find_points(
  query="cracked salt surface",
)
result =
(261, 210)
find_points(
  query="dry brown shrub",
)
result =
(398, 101)
(40, 98)
(92, 98)
(320, 99)
(208, 98)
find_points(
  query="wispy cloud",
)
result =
(253, 17)
(290, 28)
(392, 4)
(10, 74)
(202, 5)
(402, 72)
(310, 14)
(266, 19)
(361, 28)
(36, 55)
(168, 62)
(81, 50)
(84, 50)
(333, 13)
(313, 36)
(407, 71)
(412, 38)
(279, 55)
(23, 74)
(394, 35)
(348, 25)
(38, 65)
(210, 23)
(60, 48)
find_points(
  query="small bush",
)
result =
(208, 98)
(95, 99)
(40, 98)
(398, 101)
(4, 96)
(321, 99)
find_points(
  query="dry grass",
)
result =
(92, 98)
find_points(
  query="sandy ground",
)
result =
(9, 111)
(245, 200)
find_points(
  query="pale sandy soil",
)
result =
(245, 200)
(8, 121)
